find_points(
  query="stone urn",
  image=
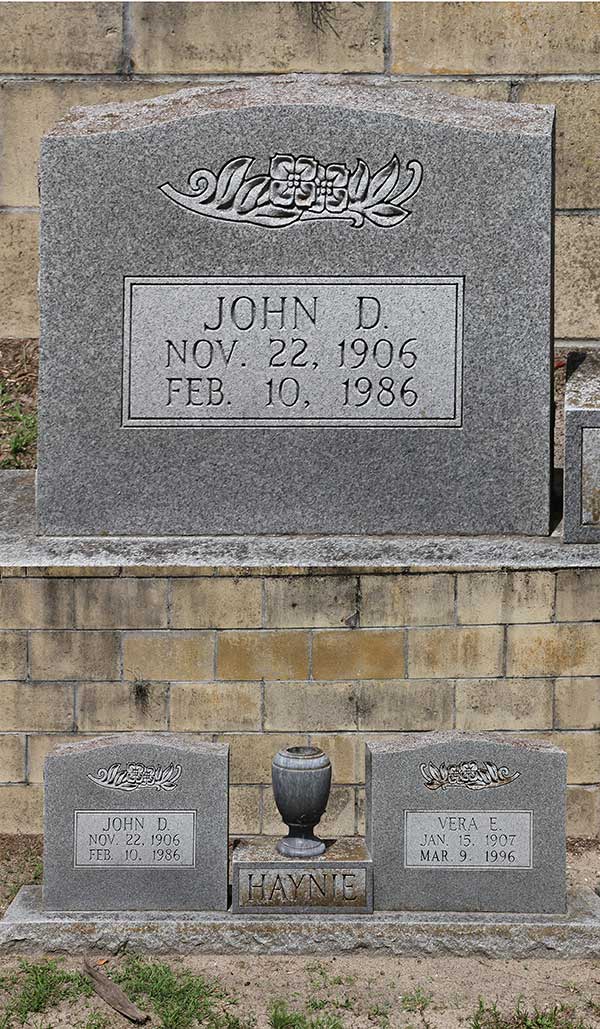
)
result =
(301, 783)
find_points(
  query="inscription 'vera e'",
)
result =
(273, 352)
(135, 839)
(300, 189)
(488, 840)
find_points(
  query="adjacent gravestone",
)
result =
(338, 881)
(582, 450)
(459, 822)
(136, 822)
(287, 306)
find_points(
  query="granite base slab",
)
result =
(28, 929)
(264, 882)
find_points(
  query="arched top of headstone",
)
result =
(384, 96)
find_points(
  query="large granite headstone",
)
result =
(136, 822)
(461, 822)
(582, 450)
(295, 306)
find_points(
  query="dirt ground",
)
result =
(342, 992)
(366, 992)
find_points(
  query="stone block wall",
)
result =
(56, 55)
(264, 658)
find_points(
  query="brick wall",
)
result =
(264, 659)
(55, 55)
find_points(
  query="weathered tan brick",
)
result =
(36, 706)
(121, 603)
(73, 571)
(13, 655)
(30, 107)
(338, 820)
(166, 656)
(313, 601)
(39, 748)
(256, 37)
(36, 604)
(19, 315)
(21, 809)
(82, 38)
(12, 757)
(273, 654)
(489, 598)
(577, 277)
(583, 754)
(358, 654)
(577, 137)
(494, 38)
(116, 706)
(215, 706)
(251, 754)
(406, 705)
(12, 572)
(310, 706)
(207, 603)
(74, 655)
(346, 752)
(577, 704)
(562, 649)
(488, 704)
(168, 571)
(583, 812)
(578, 594)
(448, 652)
(244, 810)
(407, 600)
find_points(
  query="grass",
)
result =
(280, 1017)
(181, 1000)
(18, 428)
(559, 1017)
(38, 986)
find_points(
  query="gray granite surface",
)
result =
(162, 413)
(340, 880)
(466, 822)
(28, 929)
(582, 449)
(22, 546)
(137, 821)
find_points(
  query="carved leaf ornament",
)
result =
(301, 189)
(137, 777)
(468, 774)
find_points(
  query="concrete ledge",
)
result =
(20, 546)
(27, 929)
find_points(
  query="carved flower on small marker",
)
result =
(293, 181)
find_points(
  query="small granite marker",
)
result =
(461, 822)
(275, 306)
(337, 881)
(582, 450)
(136, 822)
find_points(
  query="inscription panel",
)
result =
(489, 840)
(331, 888)
(293, 351)
(135, 839)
